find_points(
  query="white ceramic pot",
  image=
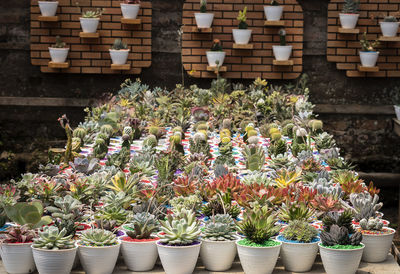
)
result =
(397, 111)
(348, 20)
(89, 25)
(139, 256)
(258, 260)
(377, 247)
(58, 55)
(130, 11)
(17, 258)
(340, 261)
(48, 8)
(282, 53)
(389, 29)
(204, 20)
(298, 257)
(217, 255)
(369, 58)
(241, 36)
(54, 261)
(215, 56)
(178, 259)
(273, 13)
(119, 57)
(98, 260)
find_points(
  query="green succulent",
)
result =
(142, 226)
(254, 156)
(28, 213)
(371, 224)
(54, 239)
(192, 202)
(220, 227)
(301, 231)
(324, 141)
(295, 211)
(98, 237)
(112, 213)
(215, 206)
(150, 141)
(278, 147)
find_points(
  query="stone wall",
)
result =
(367, 139)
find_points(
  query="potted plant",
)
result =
(283, 51)
(396, 99)
(179, 244)
(377, 240)
(90, 20)
(16, 251)
(242, 35)
(389, 26)
(203, 19)
(119, 52)
(258, 253)
(48, 8)
(53, 251)
(216, 55)
(218, 249)
(368, 54)
(274, 11)
(349, 15)
(130, 8)
(139, 248)
(299, 246)
(98, 251)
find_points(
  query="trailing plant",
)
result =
(53, 239)
(301, 231)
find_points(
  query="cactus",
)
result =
(254, 157)
(220, 228)
(142, 226)
(19, 234)
(28, 213)
(181, 229)
(98, 237)
(150, 141)
(371, 224)
(54, 239)
(364, 205)
(340, 236)
(301, 231)
(282, 37)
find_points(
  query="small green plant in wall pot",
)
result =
(48, 8)
(389, 26)
(59, 51)
(242, 35)
(203, 18)
(90, 20)
(216, 55)
(349, 15)
(119, 52)
(274, 11)
(130, 9)
(282, 51)
(368, 54)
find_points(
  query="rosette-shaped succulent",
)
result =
(98, 237)
(371, 224)
(53, 239)
(19, 234)
(142, 226)
(220, 228)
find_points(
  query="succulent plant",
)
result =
(98, 237)
(324, 141)
(343, 219)
(254, 157)
(215, 206)
(323, 186)
(83, 165)
(142, 226)
(216, 231)
(19, 234)
(220, 170)
(59, 43)
(371, 224)
(256, 177)
(111, 215)
(351, 6)
(28, 213)
(301, 231)
(364, 205)
(150, 141)
(340, 236)
(192, 202)
(390, 18)
(54, 239)
(295, 211)
(93, 13)
(278, 147)
(181, 229)
(119, 45)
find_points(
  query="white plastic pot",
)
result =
(89, 25)
(273, 13)
(204, 20)
(48, 8)
(282, 53)
(178, 259)
(389, 29)
(119, 57)
(54, 261)
(58, 55)
(241, 36)
(340, 261)
(377, 246)
(369, 58)
(215, 56)
(17, 258)
(298, 257)
(397, 111)
(98, 260)
(130, 11)
(139, 256)
(217, 255)
(258, 260)
(348, 20)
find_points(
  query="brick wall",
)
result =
(91, 55)
(242, 63)
(343, 49)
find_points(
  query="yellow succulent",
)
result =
(286, 178)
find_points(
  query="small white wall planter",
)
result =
(54, 261)
(89, 25)
(340, 261)
(98, 260)
(389, 29)
(204, 20)
(348, 20)
(282, 53)
(369, 58)
(17, 258)
(273, 13)
(397, 111)
(377, 247)
(130, 11)
(48, 8)
(139, 256)
(119, 57)
(215, 56)
(58, 55)
(217, 255)
(241, 36)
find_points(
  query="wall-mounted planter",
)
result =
(58, 55)
(389, 29)
(48, 9)
(130, 11)
(204, 20)
(241, 36)
(215, 58)
(89, 25)
(369, 58)
(273, 13)
(348, 20)
(119, 57)
(282, 53)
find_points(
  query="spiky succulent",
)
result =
(343, 219)
(19, 234)
(340, 236)
(142, 226)
(364, 205)
(215, 206)
(295, 211)
(180, 229)
(371, 224)
(254, 157)
(301, 231)
(54, 239)
(98, 237)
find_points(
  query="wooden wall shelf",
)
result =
(216, 69)
(58, 65)
(280, 23)
(283, 63)
(389, 39)
(121, 67)
(243, 46)
(202, 30)
(348, 31)
(128, 21)
(89, 35)
(48, 18)
(368, 69)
